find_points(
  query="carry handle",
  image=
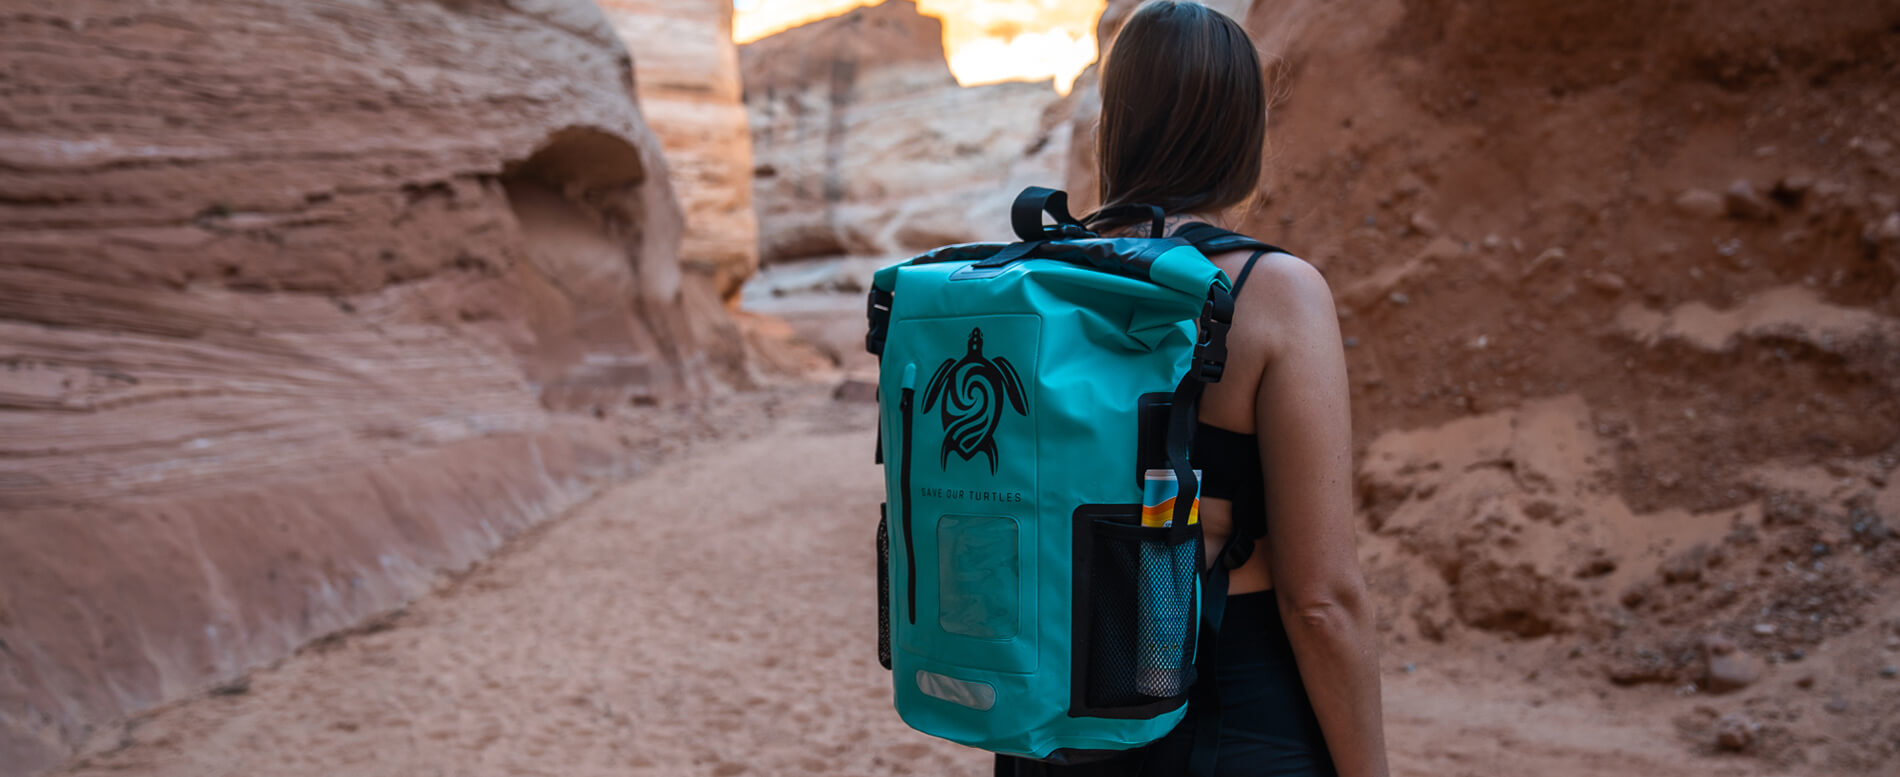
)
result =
(1025, 215)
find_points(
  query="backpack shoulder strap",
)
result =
(1202, 755)
(1210, 239)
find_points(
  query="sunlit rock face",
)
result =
(687, 74)
(987, 41)
(292, 298)
(865, 144)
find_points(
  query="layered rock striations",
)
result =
(864, 143)
(289, 296)
(687, 73)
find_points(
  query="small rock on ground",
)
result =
(1735, 732)
(1741, 201)
(1700, 203)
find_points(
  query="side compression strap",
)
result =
(1204, 697)
(1181, 412)
(1209, 361)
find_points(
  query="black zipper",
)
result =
(903, 484)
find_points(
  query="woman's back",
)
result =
(1294, 688)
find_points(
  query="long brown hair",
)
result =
(1184, 111)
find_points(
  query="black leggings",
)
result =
(1267, 723)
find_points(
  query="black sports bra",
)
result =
(1230, 469)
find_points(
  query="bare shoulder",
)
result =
(1285, 301)
(1281, 288)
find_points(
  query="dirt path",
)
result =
(715, 618)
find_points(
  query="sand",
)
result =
(715, 617)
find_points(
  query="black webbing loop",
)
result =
(1010, 253)
(877, 308)
(1025, 215)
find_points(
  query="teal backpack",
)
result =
(1026, 391)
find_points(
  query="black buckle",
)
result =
(1210, 347)
(877, 308)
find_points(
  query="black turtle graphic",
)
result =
(972, 407)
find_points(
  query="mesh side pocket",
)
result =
(1142, 605)
(883, 588)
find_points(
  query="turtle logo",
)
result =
(973, 389)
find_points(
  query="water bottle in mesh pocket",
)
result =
(1142, 610)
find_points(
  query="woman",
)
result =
(1183, 127)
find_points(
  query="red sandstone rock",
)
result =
(287, 291)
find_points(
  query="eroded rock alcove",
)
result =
(294, 302)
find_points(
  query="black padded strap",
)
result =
(1210, 239)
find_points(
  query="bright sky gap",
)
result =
(986, 41)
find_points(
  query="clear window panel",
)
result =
(979, 576)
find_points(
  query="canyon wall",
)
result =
(687, 75)
(865, 144)
(1619, 292)
(292, 299)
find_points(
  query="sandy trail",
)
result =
(715, 617)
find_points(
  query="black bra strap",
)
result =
(1246, 271)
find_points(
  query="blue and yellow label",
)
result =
(1159, 491)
